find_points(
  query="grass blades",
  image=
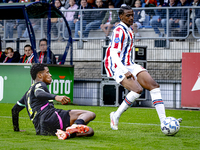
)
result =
(139, 129)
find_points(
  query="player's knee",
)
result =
(137, 90)
(92, 115)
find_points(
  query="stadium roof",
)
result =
(34, 10)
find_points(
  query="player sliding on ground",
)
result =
(121, 67)
(46, 118)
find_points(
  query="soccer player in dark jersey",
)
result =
(46, 118)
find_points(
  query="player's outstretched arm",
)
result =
(63, 99)
(15, 116)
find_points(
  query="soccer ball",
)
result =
(170, 126)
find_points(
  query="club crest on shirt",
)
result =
(116, 40)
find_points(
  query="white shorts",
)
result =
(134, 69)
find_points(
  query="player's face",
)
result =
(46, 76)
(28, 51)
(127, 17)
(43, 46)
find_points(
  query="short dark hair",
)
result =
(122, 8)
(42, 40)
(35, 69)
(27, 45)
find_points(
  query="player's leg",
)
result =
(78, 121)
(147, 82)
(81, 116)
(135, 89)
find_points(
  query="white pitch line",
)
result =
(146, 124)
(143, 124)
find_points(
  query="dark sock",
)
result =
(79, 121)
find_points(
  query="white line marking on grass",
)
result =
(143, 124)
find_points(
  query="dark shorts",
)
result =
(52, 120)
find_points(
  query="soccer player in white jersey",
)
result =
(121, 67)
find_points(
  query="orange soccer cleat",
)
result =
(77, 129)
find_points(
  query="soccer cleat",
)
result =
(77, 129)
(113, 121)
(179, 120)
(62, 135)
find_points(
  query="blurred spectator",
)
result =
(96, 18)
(35, 24)
(150, 3)
(91, 3)
(70, 17)
(85, 16)
(2, 56)
(117, 3)
(139, 17)
(65, 4)
(54, 21)
(109, 20)
(180, 19)
(21, 25)
(11, 56)
(2, 24)
(130, 2)
(42, 54)
(160, 20)
(10, 26)
(28, 56)
(196, 15)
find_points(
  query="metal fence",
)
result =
(164, 54)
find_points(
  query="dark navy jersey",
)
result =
(36, 99)
(45, 117)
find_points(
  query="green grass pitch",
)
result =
(139, 129)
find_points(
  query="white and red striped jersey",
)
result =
(119, 51)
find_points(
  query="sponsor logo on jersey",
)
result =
(60, 86)
(1, 87)
(116, 40)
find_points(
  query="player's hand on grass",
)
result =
(63, 99)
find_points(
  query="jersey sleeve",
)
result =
(116, 47)
(41, 92)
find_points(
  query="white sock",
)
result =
(130, 98)
(158, 103)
